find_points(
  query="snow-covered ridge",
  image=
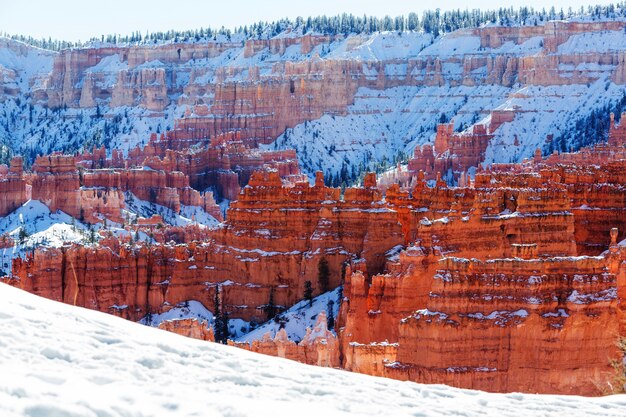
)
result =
(60, 360)
(427, 79)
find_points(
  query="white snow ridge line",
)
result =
(59, 360)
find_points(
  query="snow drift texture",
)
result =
(59, 360)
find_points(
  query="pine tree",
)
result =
(308, 292)
(23, 235)
(270, 307)
(323, 275)
(330, 320)
(220, 321)
(413, 22)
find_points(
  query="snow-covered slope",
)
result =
(63, 361)
(28, 64)
(543, 110)
(33, 225)
(297, 318)
(188, 214)
(385, 124)
(426, 80)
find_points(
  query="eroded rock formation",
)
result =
(189, 328)
(511, 281)
(274, 240)
(94, 194)
(13, 189)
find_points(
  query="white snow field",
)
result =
(59, 360)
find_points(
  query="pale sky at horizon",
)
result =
(74, 20)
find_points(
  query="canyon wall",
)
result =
(510, 281)
(489, 269)
(94, 194)
(256, 90)
(274, 240)
(13, 188)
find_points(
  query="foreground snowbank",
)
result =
(59, 360)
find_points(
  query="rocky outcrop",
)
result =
(515, 326)
(56, 183)
(507, 312)
(94, 194)
(189, 328)
(453, 152)
(593, 180)
(532, 325)
(275, 240)
(318, 347)
(226, 164)
(488, 268)
(13, 188)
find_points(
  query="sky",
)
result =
(75, 20)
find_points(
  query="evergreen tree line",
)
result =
(43, 43)
(352, 173)
(588, 130)
(435, 22)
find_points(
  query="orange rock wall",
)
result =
(273, 242)
(189, 328)
(13, 191)
(89, 194)
(511, 325)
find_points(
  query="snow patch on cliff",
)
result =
(594, 42)
(296, 319)
(546, 110)
(136, 207)
(383, 125)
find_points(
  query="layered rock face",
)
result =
(56, 183)
(593, 179)
(93, 194)
(484, 298)
(13, 189)
(595, 194)
(121, 73)
(312, 218)
(488, 285)
(122, 79)
(456, 152)
(489, 269)
(226, 164)
(189, 328)
(275, 240)
(257, 90)
(536, 325)
(514, 325)
(483, 223)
